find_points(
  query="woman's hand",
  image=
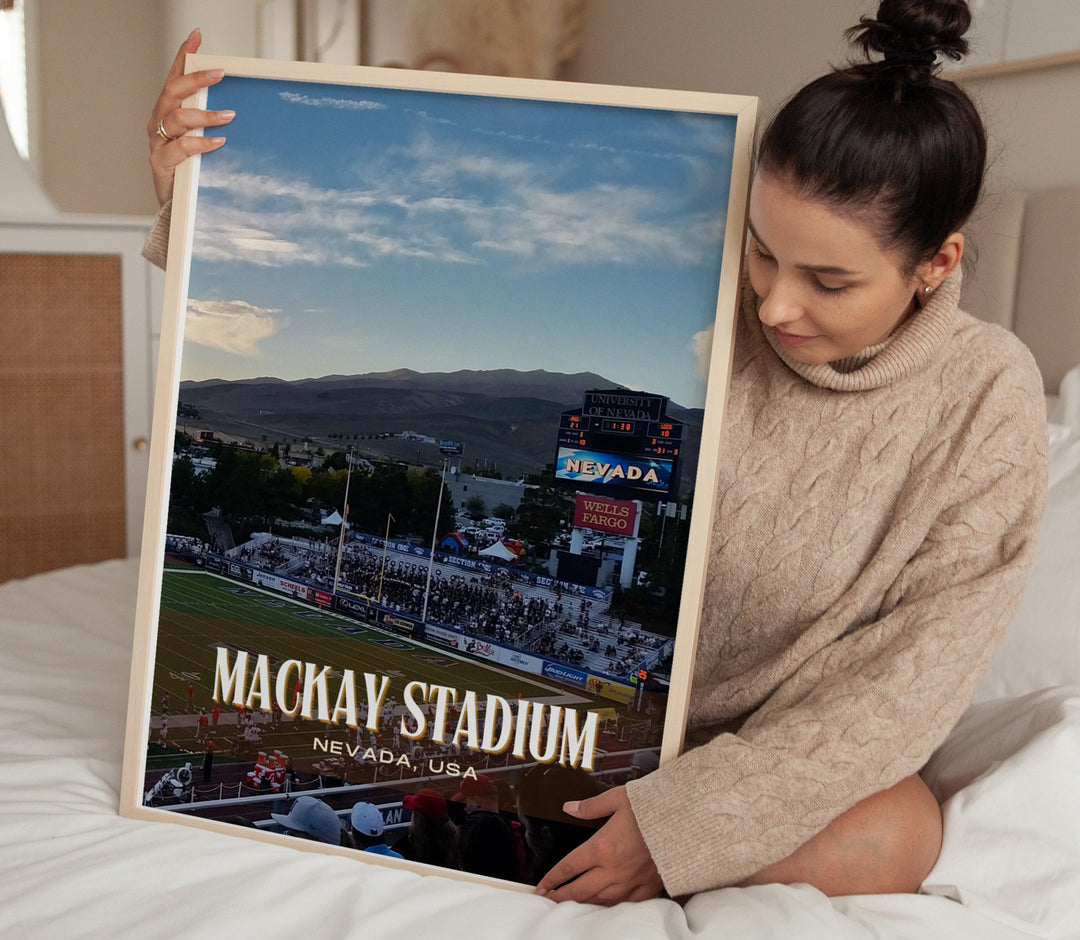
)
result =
(169, 120)
(614, 865)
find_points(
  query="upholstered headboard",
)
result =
(1026, 250)
(79, 315)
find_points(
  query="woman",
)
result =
(881, 487)
(881, 483)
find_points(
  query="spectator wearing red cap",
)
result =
(478, 793)
(432, 838)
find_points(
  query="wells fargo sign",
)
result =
(605, 515)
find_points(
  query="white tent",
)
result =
(499, 552)
(333, 519)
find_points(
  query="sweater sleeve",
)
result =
(869, 709)
(156, 249)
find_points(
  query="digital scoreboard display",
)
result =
(619, 442)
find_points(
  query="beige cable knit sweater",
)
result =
(156, 249)
(876, 521)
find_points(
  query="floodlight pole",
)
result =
(434, 538)
(344, 519)
(385, 542)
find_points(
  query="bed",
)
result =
(1008, 777)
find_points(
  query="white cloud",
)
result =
(225, 242)
(614, 224)
(234, 326)
(252, 187)
(430, 117)
(430, 248)
(447, 205)
(340, 104)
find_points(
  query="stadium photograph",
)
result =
(441, 400)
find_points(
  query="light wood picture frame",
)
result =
(443, 368)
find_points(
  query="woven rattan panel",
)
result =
(61, 412)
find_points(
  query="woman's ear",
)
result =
(944, 261)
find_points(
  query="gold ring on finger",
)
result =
(162, 133)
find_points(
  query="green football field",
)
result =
(201, 611)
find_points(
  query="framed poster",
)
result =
(442, 377)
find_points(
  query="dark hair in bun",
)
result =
(911, 36)
(886, 138)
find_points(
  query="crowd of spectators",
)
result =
(493, 605)
(514, 835)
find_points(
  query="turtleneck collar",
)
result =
(907, 351)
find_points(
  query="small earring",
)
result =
(928, 289)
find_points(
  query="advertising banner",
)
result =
(617, 691)
(444, 637)
(522, 661)
(617, 516)
(399, 624)
(595, 467)
(565, 674)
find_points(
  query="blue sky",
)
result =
(347, 229)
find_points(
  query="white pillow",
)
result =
(1042, 646)
(1064, 407)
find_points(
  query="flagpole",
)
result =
(344, 520)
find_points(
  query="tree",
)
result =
(234, 484)
(542, 514)
(187, 500)
(301, 479)
(382, 492)
(424, 486)
(281, 491)
(327, 487)
(336, 461)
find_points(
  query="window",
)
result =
(13, 73)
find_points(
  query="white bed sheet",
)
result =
(71, 867)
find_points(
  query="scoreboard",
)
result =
(619, 442)
(648, 438)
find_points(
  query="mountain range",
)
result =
(505, 419)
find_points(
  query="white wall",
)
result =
(388, 22)
(98, 73)
(769, 48)
(1008, 30)
(99, 69)
(101, 66)
(766, 48)
(1034, 125)
(229, 28)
